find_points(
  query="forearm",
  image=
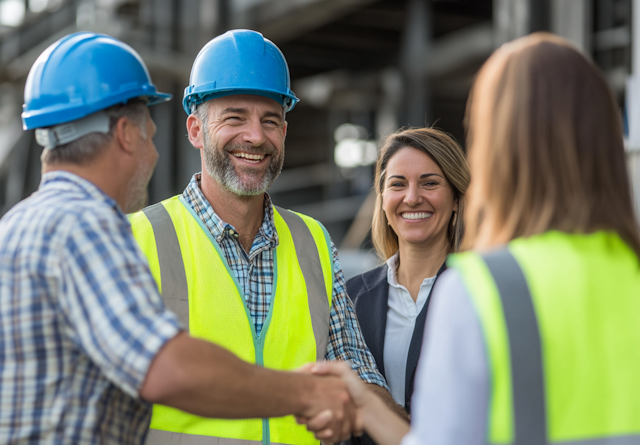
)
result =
(205, 379)
(382, 423)
(386, 398)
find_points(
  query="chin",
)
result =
(140, 203)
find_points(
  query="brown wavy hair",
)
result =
(545, 147)
(445, 152)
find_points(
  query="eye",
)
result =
(271, 123)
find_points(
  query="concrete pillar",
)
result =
(516, 18)
(633, 107)
(572, 19)
(415, 49)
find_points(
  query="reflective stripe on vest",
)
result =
(559, 320)
(309, 260)
(529, 416)
(160, 437)
(195, 280)
(174, 278)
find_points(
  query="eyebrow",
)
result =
(272, 114)
(245, 111)
(426, 175)
(235, 110)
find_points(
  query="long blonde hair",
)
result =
(545, 147)
(450, 158)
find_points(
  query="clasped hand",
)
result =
(337, 413)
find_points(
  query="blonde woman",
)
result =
(533, 337)
(420, 181)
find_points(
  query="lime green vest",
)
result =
(560, 316)
(195, 282)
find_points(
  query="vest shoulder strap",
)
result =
(529, 406)
(310, 264)
(172, 274)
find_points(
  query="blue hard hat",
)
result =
(240, 61)
(83, 73)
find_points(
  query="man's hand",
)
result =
(331, 406)
(320, 424)
(373, 415)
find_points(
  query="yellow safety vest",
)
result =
(196, 282)
(560, 315)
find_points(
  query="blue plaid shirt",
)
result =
(254, 272)
(80, 319)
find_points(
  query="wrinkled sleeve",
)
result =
(345, 338)
(110, 300)
(451, 393)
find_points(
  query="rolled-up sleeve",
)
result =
(110, 301)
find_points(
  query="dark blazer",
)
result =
(370, 295)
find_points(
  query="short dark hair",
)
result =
(85, 149)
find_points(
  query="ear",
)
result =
(126, 134)
(195, 131)
(284, 129)
(455, 205)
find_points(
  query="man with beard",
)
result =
(262, 281)
(86, 341)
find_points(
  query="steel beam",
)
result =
(284, 20)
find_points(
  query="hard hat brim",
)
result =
(287, 101)
(56, 115)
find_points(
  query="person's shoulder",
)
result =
(365, 281)
(44, 209)
(69, 211)
(50, 220)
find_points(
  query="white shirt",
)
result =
(401, 320)
(451, 392)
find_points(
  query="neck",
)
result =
(101, 172)
(245, 213)
(417, 262)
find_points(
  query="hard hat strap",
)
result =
(63, 134)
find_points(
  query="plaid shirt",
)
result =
(255, 274)
(80, 319)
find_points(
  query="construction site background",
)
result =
(362, 69)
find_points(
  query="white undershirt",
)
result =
(401, 319)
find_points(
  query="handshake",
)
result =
(341, 405)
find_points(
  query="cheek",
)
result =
(388, 204)
(445, 201)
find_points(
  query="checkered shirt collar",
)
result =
(193, 196)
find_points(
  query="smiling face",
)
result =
(417, 199)
(244, 143)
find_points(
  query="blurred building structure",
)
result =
(362, 68)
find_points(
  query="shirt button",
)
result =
(231, 232)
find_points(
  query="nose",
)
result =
(412, 197)
(254, 133)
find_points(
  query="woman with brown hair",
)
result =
(420, 181)
(533, 336)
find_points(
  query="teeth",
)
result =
(416, 215)
(249, 156)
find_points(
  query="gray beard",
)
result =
(218, 164)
